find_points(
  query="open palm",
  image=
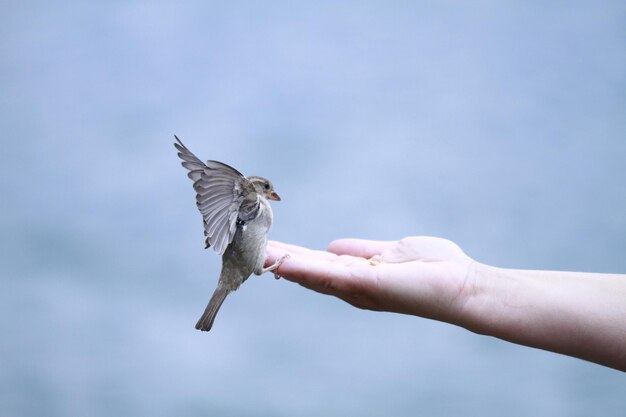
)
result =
(424, 276)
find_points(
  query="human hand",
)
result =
(574, 313)
(424, 276)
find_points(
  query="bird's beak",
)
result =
(273, 196)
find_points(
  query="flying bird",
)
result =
(237, 217)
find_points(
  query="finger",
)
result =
(334, 277)
(305, 270)
(288, 248)
(273, 254)
(359, 247)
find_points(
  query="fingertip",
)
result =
(272, 254)
(344, 246)
(358, 247)
(337, 246)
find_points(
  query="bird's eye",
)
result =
(266, 186)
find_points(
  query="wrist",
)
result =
(489, 293)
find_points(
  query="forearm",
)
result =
(577, 314)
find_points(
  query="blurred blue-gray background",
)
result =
(498, 125)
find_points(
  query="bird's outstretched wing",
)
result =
(224, 197)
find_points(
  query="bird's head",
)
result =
(264, 187)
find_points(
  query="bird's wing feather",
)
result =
(223, 196)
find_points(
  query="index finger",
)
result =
(359, 247)
(291, 249)
(328, 274)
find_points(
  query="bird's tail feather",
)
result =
(206, 321)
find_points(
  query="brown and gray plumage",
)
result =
(237, 217)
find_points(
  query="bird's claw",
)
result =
(274, 267)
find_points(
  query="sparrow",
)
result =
(237, 217)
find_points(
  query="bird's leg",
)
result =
(274, 267)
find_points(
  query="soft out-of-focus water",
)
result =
(500, 127)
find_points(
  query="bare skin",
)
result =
(573, 313)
